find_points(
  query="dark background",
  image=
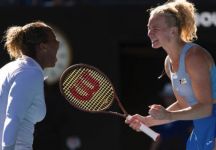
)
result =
(113, 37)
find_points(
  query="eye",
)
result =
(153, 29)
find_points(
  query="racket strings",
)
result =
(100, 100)
(97, 103)
(69, 82)
(104, 96)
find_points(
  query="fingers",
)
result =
(130, 119)
(154, 112)
(158, 112)
(155, 106)
(134, 122)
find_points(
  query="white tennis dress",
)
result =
(22, 103)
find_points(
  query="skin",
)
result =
(46, 52)
(198, 63)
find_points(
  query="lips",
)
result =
(154, 41)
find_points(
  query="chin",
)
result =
(156, 44)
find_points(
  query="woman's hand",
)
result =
(135, 121)
(159, 112)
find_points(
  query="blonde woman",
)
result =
(191, 70)
(32, 47)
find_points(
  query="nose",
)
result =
(149, 32)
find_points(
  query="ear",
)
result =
(43, 47)
(174, 31)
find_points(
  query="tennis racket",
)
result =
(88, 89)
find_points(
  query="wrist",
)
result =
(170, 115)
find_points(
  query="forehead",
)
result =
(157, 20)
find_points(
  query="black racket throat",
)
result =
(116, 109)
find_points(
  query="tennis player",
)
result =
(32, 47)
(191, 70)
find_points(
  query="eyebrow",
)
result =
(154, 26)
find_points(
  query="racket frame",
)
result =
(115, 97)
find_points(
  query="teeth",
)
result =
(153, 41)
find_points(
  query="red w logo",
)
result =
(85, 87)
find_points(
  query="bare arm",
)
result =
(198, 64)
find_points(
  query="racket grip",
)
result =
(145, 129)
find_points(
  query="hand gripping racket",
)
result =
(88, 89)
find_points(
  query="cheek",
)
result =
(169, 38)
(56, 48)
(165, 37)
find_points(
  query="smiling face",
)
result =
(159, 32)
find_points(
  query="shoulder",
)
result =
(198, 61)
(198, 56)
(30, 73)
(29, 79)
(26, 73)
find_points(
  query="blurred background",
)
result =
(112, 36)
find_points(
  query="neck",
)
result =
(174, 51)
(40, 61)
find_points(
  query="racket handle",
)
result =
(145, 129)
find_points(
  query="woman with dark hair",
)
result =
(32, 47)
